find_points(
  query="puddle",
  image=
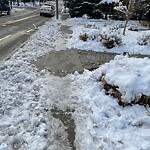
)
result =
(66, 118)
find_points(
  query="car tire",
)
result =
(41, 14)
(8, 13)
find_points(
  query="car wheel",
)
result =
(41, 14)
(8, 13)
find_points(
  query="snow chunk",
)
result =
(3, 146)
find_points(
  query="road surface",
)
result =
(16, 29)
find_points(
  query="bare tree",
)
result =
(128, 7)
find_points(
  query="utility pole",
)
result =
(65, 6)
(56, 9)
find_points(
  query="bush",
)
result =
(144, 40)
(78, 8)
(133, 28)
(114, 91)
(83, 37)
(111, 39)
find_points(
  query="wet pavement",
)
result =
(61, 63)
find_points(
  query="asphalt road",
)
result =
(17, 28)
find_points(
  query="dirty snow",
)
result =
(28, 95)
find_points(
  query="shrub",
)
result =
(133, 28)
(144, 40)
(90, 25)
(83, 37)
(114, 91)
(110, 40)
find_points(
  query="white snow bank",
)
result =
(131, 75)
(23, 99)
(102, 124)
(18, 10)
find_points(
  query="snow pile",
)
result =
(130, 75)
(144, 39)
(22, 118)
(102, 124)
(23, 98)
(18, 10)
(40, 44)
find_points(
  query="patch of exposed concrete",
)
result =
(60, 63)
(65, 30)
(64, 16)
(65, 117)
(92, 60)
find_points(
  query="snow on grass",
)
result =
(28, 4)
(110, 1)
(129, 42)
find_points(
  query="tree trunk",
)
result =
(125, 26)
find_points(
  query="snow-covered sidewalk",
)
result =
(27, 96)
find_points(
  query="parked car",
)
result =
(4, 7)
(47, 9)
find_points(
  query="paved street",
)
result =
(16, 29)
